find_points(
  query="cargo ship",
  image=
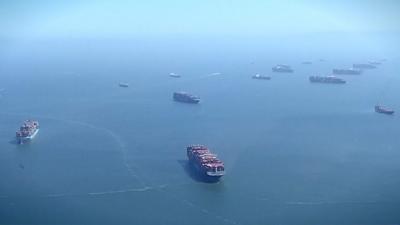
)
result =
(174, 75)
(205, 163)
(364, 66)
(27, 131)
(185, 97)
(261, 77)
(280, 68)
(125, 85)
(326, 79)
(375, 63)
(306, 62)
(351, 71)
(381, 109)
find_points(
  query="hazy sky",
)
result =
(24, 19)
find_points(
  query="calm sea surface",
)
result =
(295, 152)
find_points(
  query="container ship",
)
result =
(261, 77)
(375, 63)
(326, 79)
(381, 109)
(125, 85)
(280, 68)
(27, 131)
(205, 163)
(185, 97)
(351, 71)
(174, 75)
(364, 66)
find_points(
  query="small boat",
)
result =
(381, 109)
(125, 85)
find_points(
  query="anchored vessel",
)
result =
(326, 79)
(280, 68)
(205, 163)
(364, 66)
(375, 63)
(261, 77)
(174, 75)
(185, 97)
(381, 109)
(27, 131)
(351, 71)
(123, 85)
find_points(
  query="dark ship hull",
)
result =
(380, 109)
(201, 174)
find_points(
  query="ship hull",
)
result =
(379, 109)
(384, 111)
(190, 101)
(282, 70)
(364, 66)
(261, 78)
(329, 82)
(346, 71)
(202, 173)
(22, 140)
(325, 80)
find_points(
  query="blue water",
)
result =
(295, 152)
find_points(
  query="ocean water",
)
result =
(295, 152)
